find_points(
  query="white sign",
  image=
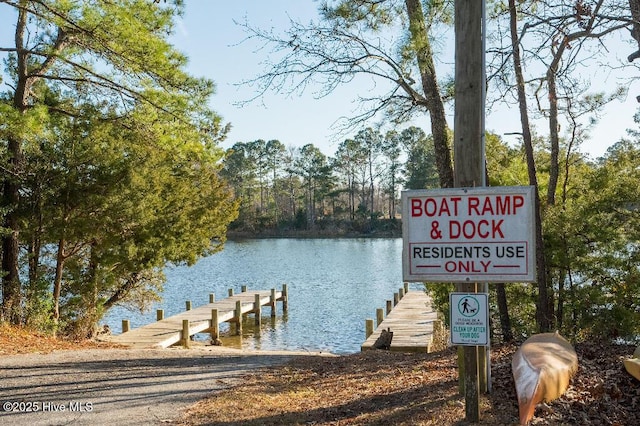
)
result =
(469, 235)
(469, 319)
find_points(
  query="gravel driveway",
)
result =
(118, 386)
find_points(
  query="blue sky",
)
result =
(214, 44)
(210, 38)
(213, 41)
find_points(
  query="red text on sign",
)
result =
(431, 207)
(470, 266)
(501, 205)
(471, 229)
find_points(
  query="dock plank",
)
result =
(411, 322)
(167, 332)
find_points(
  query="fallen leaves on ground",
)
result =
(380, 387)
(19, 340)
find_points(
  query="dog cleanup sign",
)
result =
(469, 314)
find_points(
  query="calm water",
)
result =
(334, 285)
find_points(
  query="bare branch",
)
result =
(330, 56)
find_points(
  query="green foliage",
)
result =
(38, 307)
(521, 300)
(350, 191)
(421, 171)
(119, 165)
(374, 15)
(603, 231)
(125, 200)
(506, 166)
(26, 126)
(439, 293)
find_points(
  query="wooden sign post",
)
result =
(468, 146)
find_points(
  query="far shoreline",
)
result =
(309, 234)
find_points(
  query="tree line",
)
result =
(590, 240)
(286, 189)
(542, 57)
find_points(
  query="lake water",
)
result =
(334, 285)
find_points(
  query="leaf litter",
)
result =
(383, 388)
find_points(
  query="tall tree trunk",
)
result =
(25, 79)
(85, 324)
(392, 205)
(561, 298)
(439, 129)
(503, 313)
(57, 281)
(35, 243)
(554, 137)
(352, 196)
(634, 6)
(274, 193)
(543, 311)
(11, 288)
(371, 183)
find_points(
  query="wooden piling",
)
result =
(406, 288)
(400, 293)
(212, 298)
(257, 310)
(368, 328)
(185, 333)
(285, 298)
(238, 317)
(272, 302)
(159, 314)
(243, 288)
(396, 299)
(379, 316)
(125, 326)
(389, 306)
(187, 305)
(215, 325)
(230, 292)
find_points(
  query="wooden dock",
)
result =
(179, 328)
(411, 321)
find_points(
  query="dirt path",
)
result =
(118, 386)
